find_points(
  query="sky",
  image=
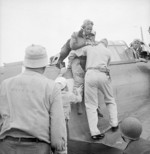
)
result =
(51, 22)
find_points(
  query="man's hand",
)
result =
(88, 42)
(54, 59)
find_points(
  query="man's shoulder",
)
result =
(107, 50)
(7, 80)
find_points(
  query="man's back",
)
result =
(27, 103)
(97, 56)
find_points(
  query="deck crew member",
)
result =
(32, 119)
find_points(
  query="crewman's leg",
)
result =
(78, 73)
(70, 81)
(78, 76)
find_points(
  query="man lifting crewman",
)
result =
(87, 55)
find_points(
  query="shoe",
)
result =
(98, 137)
(114, 129)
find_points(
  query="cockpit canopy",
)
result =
(122, 53)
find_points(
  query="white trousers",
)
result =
(94, 81)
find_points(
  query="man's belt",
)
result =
(101, 69)
(19, 139)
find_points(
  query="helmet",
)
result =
(86, 23)
(131, 128)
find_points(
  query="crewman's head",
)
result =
(35, 57)
(87, 26)
(131, 128)
(62, 81)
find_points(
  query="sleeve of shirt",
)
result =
(57, 123)
(75, 43)
(65, 50)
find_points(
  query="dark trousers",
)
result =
(16, 147)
